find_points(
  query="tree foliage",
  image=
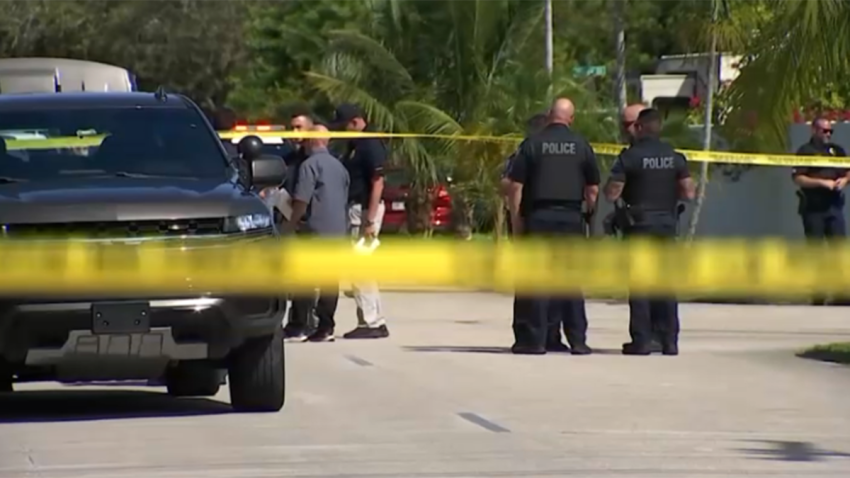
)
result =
(191, 46)
(449, 67)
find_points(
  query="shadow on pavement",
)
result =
(471, 349)
(794, 451)
(88, 405)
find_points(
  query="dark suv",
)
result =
(129, 168)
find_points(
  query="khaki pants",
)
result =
(366, 295)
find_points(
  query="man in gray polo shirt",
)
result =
(322, 195)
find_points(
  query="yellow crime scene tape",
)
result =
(720, 157)
(611, 149)
(705, 269)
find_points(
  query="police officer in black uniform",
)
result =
(521, 304)
(821, 190)
(628, 129)
(554, 171)
(650, 178)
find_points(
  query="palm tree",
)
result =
(480, 84)
(802, 49)
(717, 30)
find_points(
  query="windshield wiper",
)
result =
(10, 180)
(132, 175)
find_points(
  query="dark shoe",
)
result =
(632, 348)
(655, 347)
(522, 349)
(368, 333)
(670, 349)
(558, 347)
(348, 293)
(581, 349)
(294, 335)
(322, 336)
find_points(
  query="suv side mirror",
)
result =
(267, 172)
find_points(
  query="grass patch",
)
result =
(836, 353)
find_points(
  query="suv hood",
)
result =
(123, 199)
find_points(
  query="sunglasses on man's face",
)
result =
(826, 130)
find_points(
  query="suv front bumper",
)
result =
(55, 337)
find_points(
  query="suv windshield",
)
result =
(47, 144)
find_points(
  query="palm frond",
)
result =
(341, 91)
(372, 52)
(806, 45)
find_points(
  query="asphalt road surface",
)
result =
(443, 398)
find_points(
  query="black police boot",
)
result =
(581, 349)
(557, 346)
(632, 348)
(670, 348)
(524, 349)
(655, 346)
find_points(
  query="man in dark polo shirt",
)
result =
(822, 191)
(364, 158)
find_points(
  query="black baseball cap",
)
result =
(344, 114)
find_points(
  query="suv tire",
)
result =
(193, 380)
(257, 375)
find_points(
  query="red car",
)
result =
(396, 197)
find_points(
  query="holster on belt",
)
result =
(623, 215)
(801, 204)
(609, 225)
(587, 217)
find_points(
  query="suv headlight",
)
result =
(247, 222)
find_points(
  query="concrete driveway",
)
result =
(443, 398)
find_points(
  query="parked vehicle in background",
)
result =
(56, 75)
(397, 203)
(271, 144)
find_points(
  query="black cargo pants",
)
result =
(653, 317)
(532, 329)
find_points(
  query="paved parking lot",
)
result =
(442, 398)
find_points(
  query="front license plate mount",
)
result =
(130, 317)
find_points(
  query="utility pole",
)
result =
(550, 62)
(620, 40)
(708, 119)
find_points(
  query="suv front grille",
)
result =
(117, 229)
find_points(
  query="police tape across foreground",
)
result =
(720, 157)
(716, 268)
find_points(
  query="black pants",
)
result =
(654, 317)
(325, 306)
(824, 225)
(522, 308)
(532, 329)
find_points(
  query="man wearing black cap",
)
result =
(364, 158)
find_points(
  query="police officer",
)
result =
(553, 172)
(821, 189)
(628, 130)
(650, 177)
(521, 304)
